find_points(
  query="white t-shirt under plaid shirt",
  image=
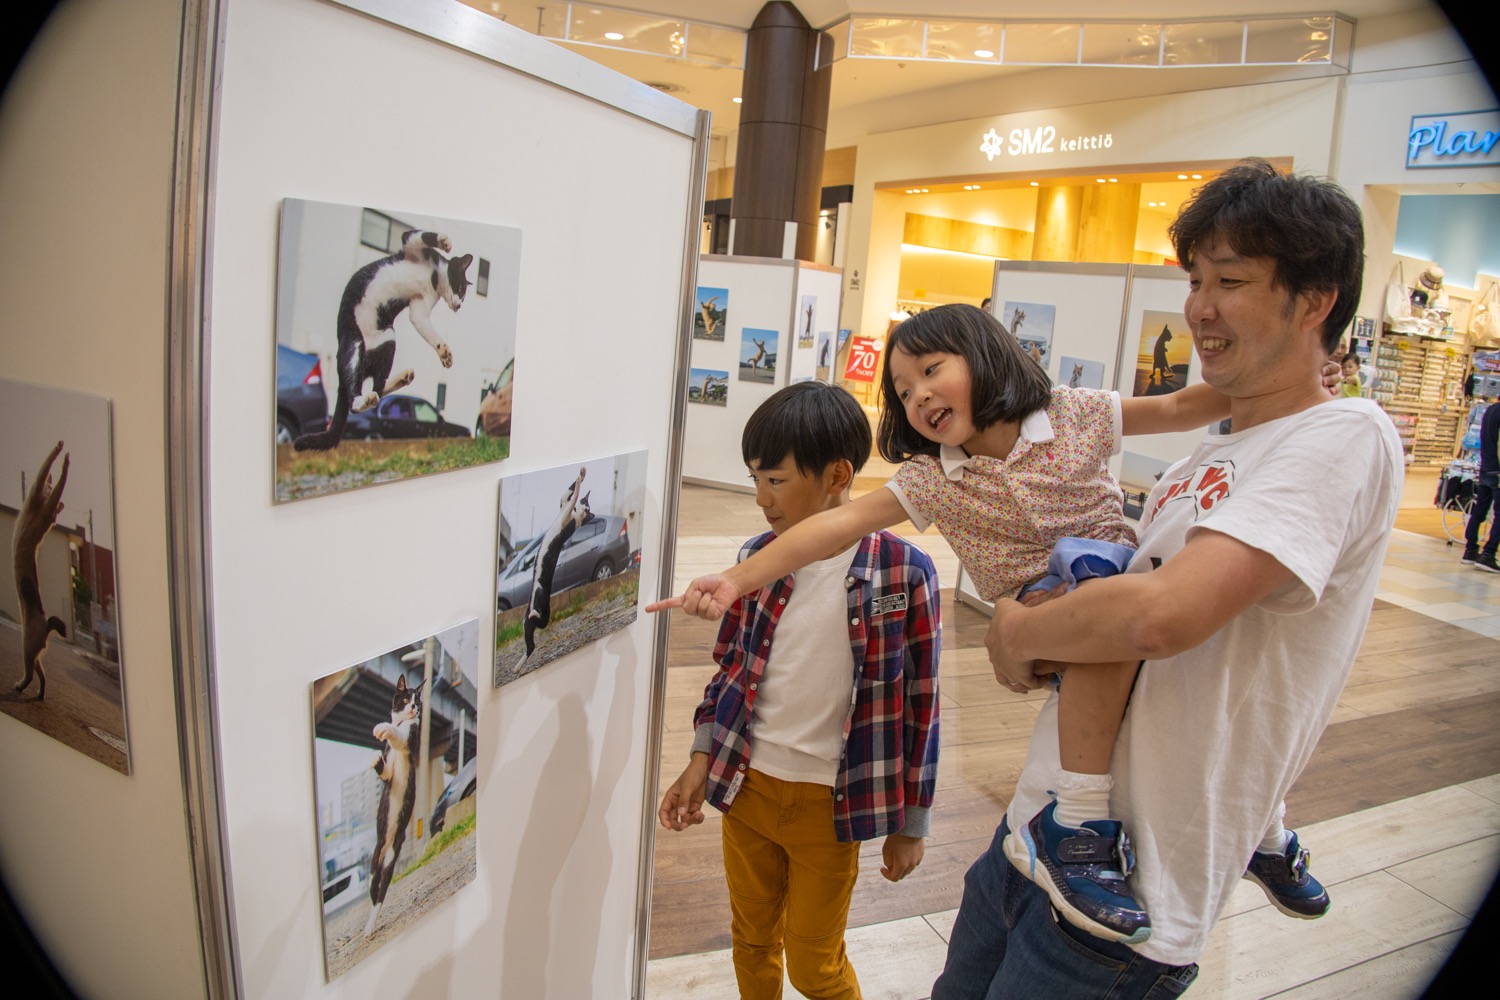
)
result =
(1002, 516)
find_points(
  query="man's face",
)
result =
(1253, 339)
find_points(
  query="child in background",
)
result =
(820, 729)
(1007, 466)
(1349, 385)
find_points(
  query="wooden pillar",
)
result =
(1059, 208)
(1107, 230)
(783, 129)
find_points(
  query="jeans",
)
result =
(1008, 944)
(1486, 494)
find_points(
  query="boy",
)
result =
(1349, 385)
(842, 721)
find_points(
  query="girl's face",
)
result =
(934, 391)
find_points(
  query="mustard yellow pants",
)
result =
(790, 881)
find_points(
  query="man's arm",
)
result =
(1136, 616)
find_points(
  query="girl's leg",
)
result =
(1090, 707)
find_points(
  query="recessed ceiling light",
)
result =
(983, 54)
(738, 100)
(1182, 177)
(1098, 180)
(614, 36)
(1197, 177)
(1114, 180)
(1036, 183)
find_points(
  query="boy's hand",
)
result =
(1016, 675)
(1333, 377)
(682, 806)
(901, 854)
(706, 597)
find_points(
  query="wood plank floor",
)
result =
(1416, 720)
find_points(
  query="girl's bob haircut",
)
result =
(1005, 383)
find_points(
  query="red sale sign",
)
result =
(864, 359)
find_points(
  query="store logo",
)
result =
(1466, 139)
(1042, 139)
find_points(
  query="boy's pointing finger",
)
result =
(665, 605)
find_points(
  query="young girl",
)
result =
(1006, 465)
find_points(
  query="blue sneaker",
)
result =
(1083, 871)
(1287, 883)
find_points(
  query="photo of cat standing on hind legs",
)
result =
(396, 764)
(37, 516)
(573, 512)
(411, 281)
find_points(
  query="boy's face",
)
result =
(1351, 368)
(787, 495)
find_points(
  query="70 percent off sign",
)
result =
(864, 359)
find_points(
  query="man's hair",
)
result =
(1005, 383)
(1307, 225)
(814, 422)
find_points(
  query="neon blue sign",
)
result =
(1465, 139)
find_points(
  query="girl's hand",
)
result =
(706, 597)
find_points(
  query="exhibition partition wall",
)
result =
(759, 323)
(1103, 326)
(412, 787)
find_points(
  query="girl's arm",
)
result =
(1187, 409)
(818, 537)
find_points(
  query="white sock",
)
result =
(1082, 797)
(1277, 837)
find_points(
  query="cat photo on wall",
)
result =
(60, 660)
(391, 330)
(1078, 373)
(568, 560)
(395, 762)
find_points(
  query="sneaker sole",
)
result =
(1020, 849)
(1276, 901)
(1486, 569)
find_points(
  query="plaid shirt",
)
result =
(888, 768)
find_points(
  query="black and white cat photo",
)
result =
(396, 764)
(573, 513)
(413, 280)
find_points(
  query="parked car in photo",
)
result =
(460, 787)
(398, 416)
(597, 551)
(345, 887)
(494, 405)
(301, 402)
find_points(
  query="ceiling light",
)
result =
(1182, 177)
(1036, 183)
(1098, 180)
(738, 100)
(614, 36)
(1114, 180)
(1197, 177)
(983, 54)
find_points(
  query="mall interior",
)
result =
(673, 184)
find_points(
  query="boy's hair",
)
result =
(1351, 356)
(1307, 225)
(814, 422)
(1006, 384)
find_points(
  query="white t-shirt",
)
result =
(807, 689)
(1215, 736)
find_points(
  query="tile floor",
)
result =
(1404, 888)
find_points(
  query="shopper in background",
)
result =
(1246, 603)
(1349, 385)
(1486, 494)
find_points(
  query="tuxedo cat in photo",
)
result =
(412, 281)
(396, 764)
(37, 515)
(572, 514)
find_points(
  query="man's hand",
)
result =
(901, 854)
(682, 806)
(1016, 675)
(706, 597)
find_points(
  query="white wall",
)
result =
(98, 861)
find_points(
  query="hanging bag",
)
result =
(1484, 324)
(1397, 297)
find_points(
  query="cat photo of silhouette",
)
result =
(568, 560)
(395, 769)
(61, 666)
(805, 317)
(1164, 354)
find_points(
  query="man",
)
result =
(1486, 494)
(1247, 601)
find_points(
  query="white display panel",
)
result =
(1159, 292)
(322, 103)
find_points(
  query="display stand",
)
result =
(442, 111)
(763, 300)
(1103, 320)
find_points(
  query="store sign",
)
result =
(864, 359)
(1466, 139)
(1039, 141)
